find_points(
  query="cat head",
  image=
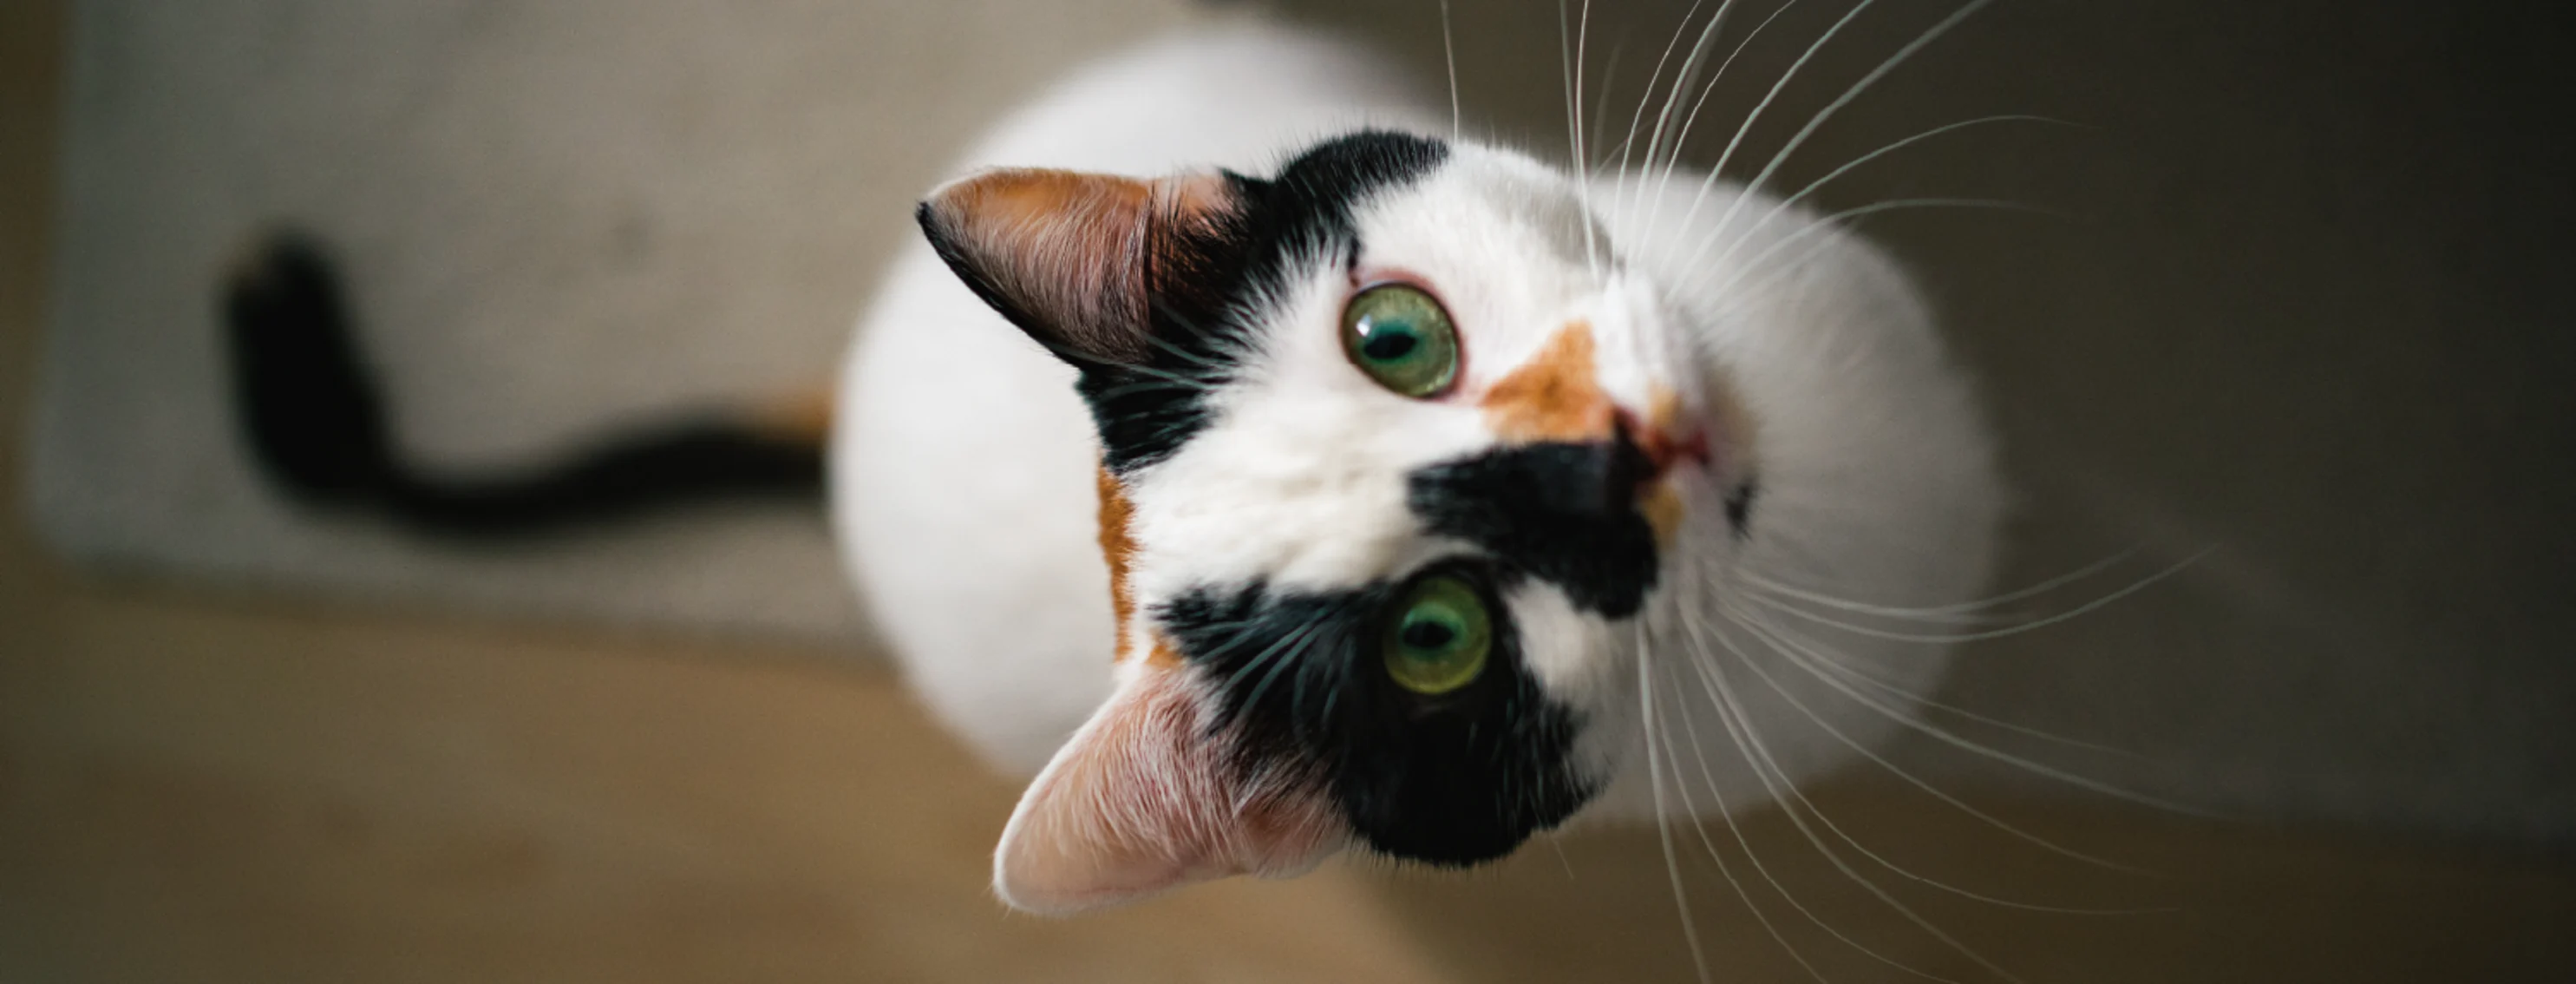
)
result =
(1394, 454)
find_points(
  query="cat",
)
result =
(1270, 471)
(1407, 455)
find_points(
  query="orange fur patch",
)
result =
(1663, 511)
(804, 417)
(1663, 408)
(1114, 548)
(1553, 396)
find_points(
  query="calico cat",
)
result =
(1270, 471)
(1387, 490)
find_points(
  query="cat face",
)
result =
(1395, 453)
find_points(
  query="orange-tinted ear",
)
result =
(1069, 256)
(1144, 799)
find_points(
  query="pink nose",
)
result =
(1663, 449)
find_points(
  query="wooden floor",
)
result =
(201, 786)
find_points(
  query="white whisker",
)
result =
(1663, 818)
(1803, 193)
(1863, 750)
(1683, 79)
(1920, 41)
(1854, 674)
(1764, 105)
(2013, 630)
(1790, 648)
(1601, 105)
(1574, 124)
(1737, 730)
(1672, 158)
(1449, 48)
(1833, 222)
(1720, 691)
(1638, 116)
(2043, 587)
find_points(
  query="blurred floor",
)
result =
(203, 787)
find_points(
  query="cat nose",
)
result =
(1662, 449)
(1557, 396)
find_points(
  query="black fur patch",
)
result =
(1739, 507)
(316, 424)
(1566, 513)
(1452, 780)
(1205, 319)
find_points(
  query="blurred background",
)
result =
(2295, 293)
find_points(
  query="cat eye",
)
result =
(1401, 337)
(1438, 635)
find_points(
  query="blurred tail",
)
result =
(315, 421)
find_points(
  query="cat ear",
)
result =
(1145, 799)
(1069, 256)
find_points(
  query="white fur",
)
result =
(963, 461)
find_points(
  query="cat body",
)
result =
(1267, 474)
(1108, 598)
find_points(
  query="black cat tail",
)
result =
(315, 421)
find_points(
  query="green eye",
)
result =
(1438, 636)
(1400, 337)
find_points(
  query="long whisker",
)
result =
(1929, 35)
(1760, 107)
(1663, 818)
(1863, 750)
(2043, 587)
(1721, 691)
(1864, 678)
(1574, 127)
(1790, 647)
(1639, 115)
(2012, 630)
(1797, 818)
(1803, 193)
(1730, 720)
(1673, 158)
(1449, 48)
(1683, 79)
(1818, 230)
(1726, 816)
(1758, 757)
(1601, 105)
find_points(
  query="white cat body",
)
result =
(966, 468)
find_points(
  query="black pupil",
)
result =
(1427, 635)
(1388, 345)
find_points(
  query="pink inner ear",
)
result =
(1144, 799)
(1066, 253)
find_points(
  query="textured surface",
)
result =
(195, 787)
(555, 217)
(2306, 312)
